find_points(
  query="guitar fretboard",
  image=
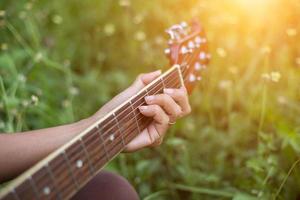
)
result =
(70, 167)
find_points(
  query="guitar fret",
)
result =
(33, 185)
(25, 190)
(91, 167)
(59, 170)
(137, 124)
(91, 142)
(49, 171)
(122, 136)
(10, 196)
(16, 196)
(162, 80)
(78, 161)
(102, 142)
(70, 169)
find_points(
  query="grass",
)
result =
(61, 60)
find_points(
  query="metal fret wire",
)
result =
(183, 73)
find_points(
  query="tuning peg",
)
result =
(185, 50)
(197, 66)
(167, 51)
(198, 40)
(191, 45)
(183, 24)
(175, 31)
(202, 56)
(171, 33)
(192, 78)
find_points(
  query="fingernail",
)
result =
(168, 91)
(149, 98)
(143, 108)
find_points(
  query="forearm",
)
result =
(19, 151)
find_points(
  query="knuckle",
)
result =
(139, 77)
(156, 109)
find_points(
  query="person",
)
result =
(19, 151)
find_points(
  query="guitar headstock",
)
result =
(188, 48)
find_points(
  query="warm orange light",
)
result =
(256, 9)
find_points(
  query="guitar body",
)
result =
(69, 168)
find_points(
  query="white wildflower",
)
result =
(21, 78)
(140, 36)
(221, 52)
(66, 103)
(2, 13)
(138, 19)
(225, 84)
(4, 46)
(34, 100)
(57, 19)
(159, 40)
(282, 100)
(38, 57)
(109, 29)
(266, 50)
(291, 32)
(25, 103)
(266, 76)
(28, 6)
(74, 91)
(124, 3)
(275, 76)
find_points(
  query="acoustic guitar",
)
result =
(61, 174)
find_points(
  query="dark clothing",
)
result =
(107, 186)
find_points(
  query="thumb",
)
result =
(144, 79)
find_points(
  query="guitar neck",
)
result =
(65, 171)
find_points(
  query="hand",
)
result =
(164, 108)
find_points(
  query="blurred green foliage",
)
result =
(61, 60)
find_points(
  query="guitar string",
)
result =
(78, 149)
(70, 185)
(113, 120)
(131, 124)
(127, 130)
(184, 71)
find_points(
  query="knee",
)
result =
(107, 185)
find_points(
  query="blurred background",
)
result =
(60, 61)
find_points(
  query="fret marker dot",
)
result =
(79, 163)
(112, 137)
(46, 190)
